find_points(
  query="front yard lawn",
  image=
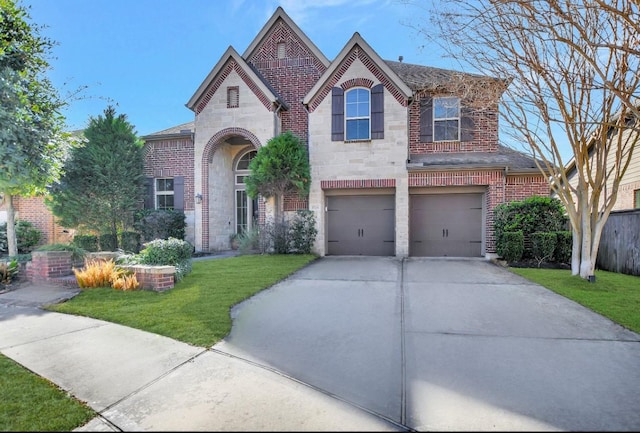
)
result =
(197, 309)
(613, 295)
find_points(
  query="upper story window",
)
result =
(233, 97)
(446, 119)
(358, 114)
(636, 203)
(164, 194)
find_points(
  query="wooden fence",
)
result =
(620, 243)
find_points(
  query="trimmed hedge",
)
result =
(511, 247)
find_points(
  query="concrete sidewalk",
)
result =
(352, 344)
(140, 381)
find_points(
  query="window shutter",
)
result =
(426, 120)
(466, 124)
(377, 112)
(149, 202)
(178, 193)
(337, 114)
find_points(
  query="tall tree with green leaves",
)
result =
(32, 141)
(280, 167)
(103, 181)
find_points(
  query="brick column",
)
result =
(47, 265)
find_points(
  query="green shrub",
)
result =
(302, 232)
(533, 214)
(511, 247)
(27, 237)
(564, 246)
(108, 242)
(86, 242)
(168, 252)
(130, 241)
(251, 240)
(543, 244)
(274, 237)
(160, 224)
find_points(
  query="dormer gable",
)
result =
(357, 49)
(232, 61)
(281, 38)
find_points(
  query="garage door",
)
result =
(361, 225)
(446, 225)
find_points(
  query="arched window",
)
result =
(358, 114)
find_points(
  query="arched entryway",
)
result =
(226, 209)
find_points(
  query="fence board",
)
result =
(619, 249)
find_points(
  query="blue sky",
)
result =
(148, 57)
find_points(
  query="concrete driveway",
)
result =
(349, 344)
(444, 344)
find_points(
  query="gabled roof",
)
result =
(232, 54)
(357, 41)
(281, 14)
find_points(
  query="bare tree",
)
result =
(574, 82)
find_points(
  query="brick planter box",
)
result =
(157, 278)
(57, 267)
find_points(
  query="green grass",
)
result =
(31, 403)
(197, 309)
(613, 295)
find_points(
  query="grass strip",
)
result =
(31, 403)
(613, 295)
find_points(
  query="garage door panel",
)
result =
(446, 225)
(361, 225)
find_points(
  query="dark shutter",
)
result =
(426, 120)
(148, 193)
(377, 112)
(466, 124)
(178, 193)
(337, 114)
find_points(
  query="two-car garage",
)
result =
(439, 224)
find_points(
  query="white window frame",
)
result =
(164, 193)
(445, 118)
(347, 118)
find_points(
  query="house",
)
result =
(34, 210)
(404, 160)
(628, 196)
